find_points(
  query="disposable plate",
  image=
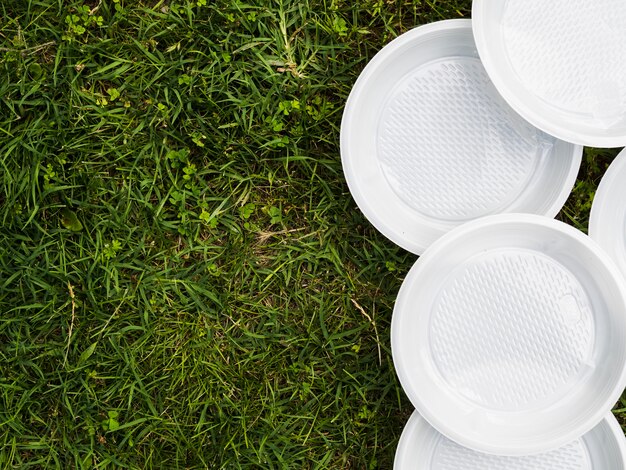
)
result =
(559, 63)
(422, 447)
(509, 334)
(607, 224)
(427, 143)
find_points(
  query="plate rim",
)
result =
(604, 203)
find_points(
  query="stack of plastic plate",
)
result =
(427, 143)
(509, 334)
(560, 64)
(461, 140)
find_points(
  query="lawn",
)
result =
(185, 281)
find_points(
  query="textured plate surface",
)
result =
(427, 143)
(510, 328)
(607, 224)
(428, 150)
(561, 64)
(422, 447)
(509, 336)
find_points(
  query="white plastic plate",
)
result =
(559, 63)
(427, 143)
(607, 224)
(509, 334)
(421, 447)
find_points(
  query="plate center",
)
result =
(570, 53)
(450, 147)
(511, 329)
(450, 456)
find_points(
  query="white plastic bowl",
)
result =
(559, 63)
(509, 334)
(421, 447)
(607, 224)
(427, 143)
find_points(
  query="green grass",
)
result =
(185, 281)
